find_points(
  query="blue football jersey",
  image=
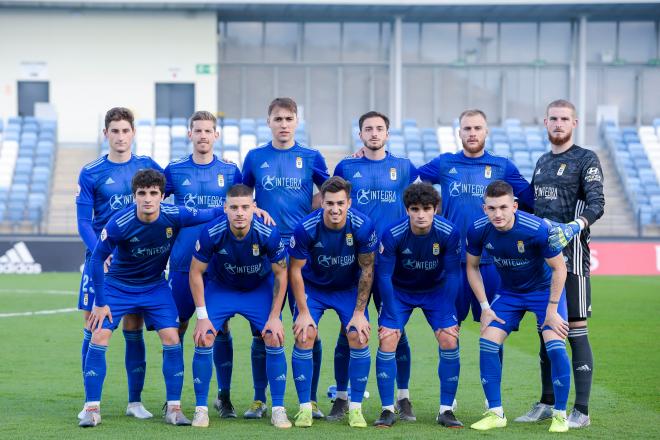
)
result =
(419, 263)
(518, 254)
(197, 186)
(378, 186)
(239, 264)
(284, 182)
(106, 186)
(140, 250)
(464, 180)
(332, 255)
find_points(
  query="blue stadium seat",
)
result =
(413, 146)
(15, 120)
(179, 121)
(430, 155)
(163, 121)
(416, 157)
(518, 146)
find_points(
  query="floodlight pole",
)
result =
(582, 84)
(396, 73)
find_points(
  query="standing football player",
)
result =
(568, 187)
(283, 174)
(104, 188)
(378, 180)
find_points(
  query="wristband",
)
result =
(580, 223)
(553, 302)
(201, 312)
(484, 305)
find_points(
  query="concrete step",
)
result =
(70, 160)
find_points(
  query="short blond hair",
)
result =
(472, 112)
(561, 103)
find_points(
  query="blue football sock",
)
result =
(202, 369)
(95, 368)
(223, 358)
(302, 364)
(385, 375)
(449, 370)
(87, 336)
(342, 358)
(491, 371)
(136, 363)
(173, 370)
(403, 362)
(259, 376)
(561, 372)
(359, 372)
(276, 370)
(317, 357)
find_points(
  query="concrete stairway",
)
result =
(70, 160)
(618, 220)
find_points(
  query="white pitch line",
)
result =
(38, 291)
(39, 312)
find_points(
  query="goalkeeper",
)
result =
(568, 188)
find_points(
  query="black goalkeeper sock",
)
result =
(583, 367)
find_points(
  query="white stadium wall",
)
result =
(95, 60)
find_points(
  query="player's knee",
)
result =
(447, 342)
(577, 324)
(207, 341)
(389, 343)
(169, 336)
(271, 340)
(132, 322)
(101, 337)
(309, 340)
(354, 340)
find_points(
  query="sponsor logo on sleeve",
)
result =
(593, 175)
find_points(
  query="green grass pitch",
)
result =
(41, 387)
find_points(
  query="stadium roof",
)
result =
(378, 10)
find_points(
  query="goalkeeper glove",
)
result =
(562, 233)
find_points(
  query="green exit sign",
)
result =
(205, 69)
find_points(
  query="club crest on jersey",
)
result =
(255, 250)
(197, 245)
(521, 246)
(381, 248)
(392, 173)
(349, 239)
(488, 172)
(104, 234)
(436, 249)
(221, 180)
(169, 232)
(561, 169)
(86, 299)
(292, 242)
(299, 162)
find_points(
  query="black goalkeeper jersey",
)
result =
(567, 186)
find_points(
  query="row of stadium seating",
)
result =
(522, 144)
(636, 153)
(167, 139)
(27, 157)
